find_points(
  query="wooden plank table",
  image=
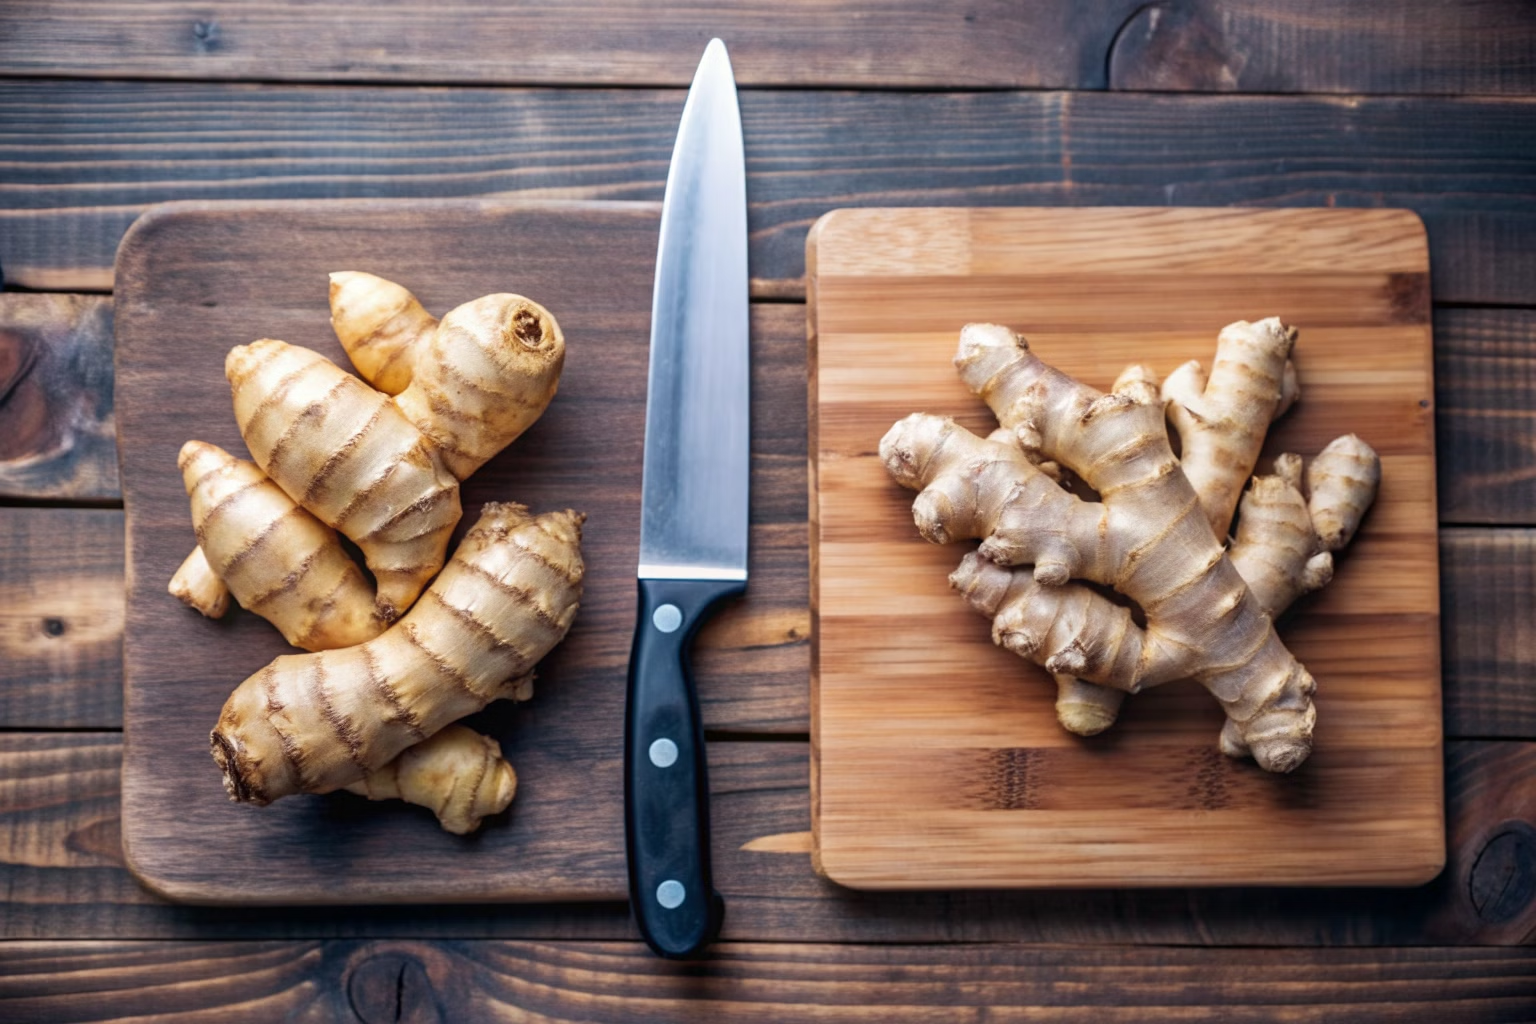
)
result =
(1427, 105)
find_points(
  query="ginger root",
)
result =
(458, 774)
(382, 466)
(1221, 420)
(1285, 544)
(246, 525)
(315, 723)
(1148, 538)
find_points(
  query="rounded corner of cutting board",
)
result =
(826, 222)
(146, 873)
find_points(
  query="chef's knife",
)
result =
(693, 510)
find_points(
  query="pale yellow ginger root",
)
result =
(314, 723)
(1277, 549)
(1154, 545)
(197, 586)
(972, 487)
(1341, 484)
(1280, 551)
(1084, 708)
(1221, 420)
(1222, 417)
(474, 382)
(458, 774)
(347, 454)
(385, 471)
(245, 525)
(381, 326)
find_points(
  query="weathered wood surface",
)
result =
(1485, 415)
(939, 759)
(1488, 599)
(1264, 46)
(1422, 46)
(406, 982)
(82, 160)
(61, 618)
(57, 435)
(62, 866)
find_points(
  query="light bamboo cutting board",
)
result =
(938, 760)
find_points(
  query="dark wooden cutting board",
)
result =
(193, 280)
(939, 763)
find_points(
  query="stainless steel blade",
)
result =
(693, 513)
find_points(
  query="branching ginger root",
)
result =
(1282, 551)
(471, 383)
(315, 723)
(384, 470)
(458, 774)
(1148, 538)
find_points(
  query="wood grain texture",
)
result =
(989, 44)
(1485, 419)
(413, 982)
(1204, 45)
(84, 159)
(57, 436)
(1320, 46)
(61, 618)
(939, 759)
(1488, 597)
(62, 864)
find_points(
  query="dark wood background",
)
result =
(106, 108)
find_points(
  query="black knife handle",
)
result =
(666, 784)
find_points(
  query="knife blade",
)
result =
(693, 510)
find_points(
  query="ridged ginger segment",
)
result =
(197, 586)
(347, 454)
(245, 524)
(381, 326)
(382, 464)
(472, 382)
(1156, 547)
(1221, 419)
(1342, 482)
(458, 774)
(314, 723)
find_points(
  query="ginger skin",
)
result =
(348, 455)
(314, 723)
(245, 525)
(197, 586)
(1156, 547)
(1285, 543)
(381, 326)
(472, 383)
(1222, 420)
(384, 470)
(458, 774)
